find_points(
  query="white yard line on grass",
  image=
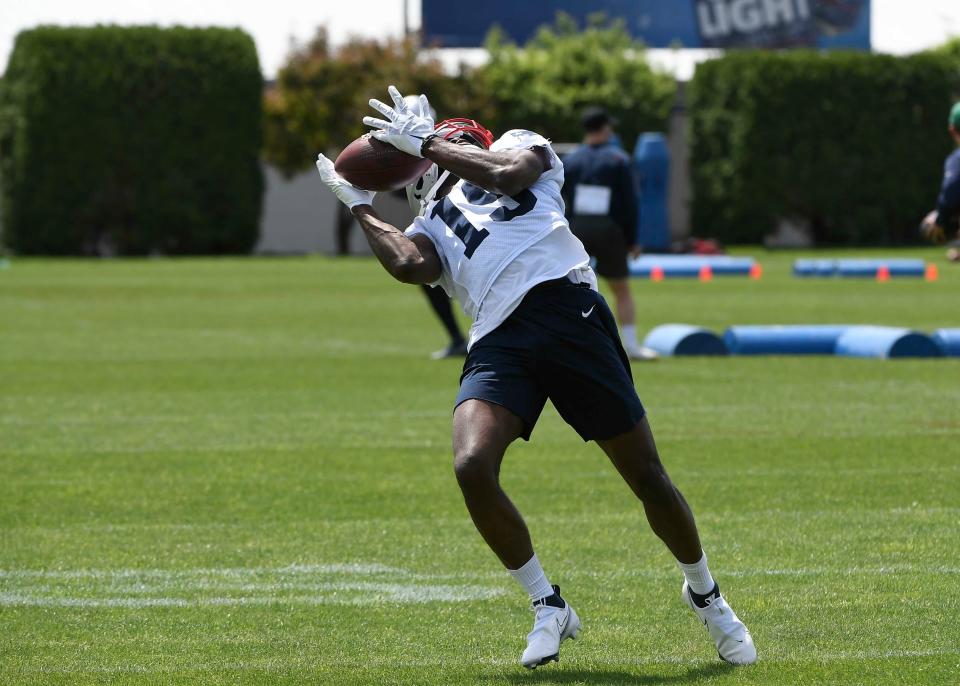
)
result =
(327, 584)
(317, 584)
(333, 594)
(293, 569)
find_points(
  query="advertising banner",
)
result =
(773, 24)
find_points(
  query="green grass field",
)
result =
(238, 471)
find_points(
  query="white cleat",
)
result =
(551, 627)
(733, 639)
(642, 354)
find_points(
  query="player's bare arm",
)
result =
(506, 172)
(410, 260)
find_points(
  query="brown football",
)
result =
(376, 166)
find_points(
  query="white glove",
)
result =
(405, 129)
(346, 192)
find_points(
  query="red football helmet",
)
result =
(450, 129)
(421, 192)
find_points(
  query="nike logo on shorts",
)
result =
(587, 313)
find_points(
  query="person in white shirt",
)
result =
(493, 234)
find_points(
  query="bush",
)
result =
(321, 95)
(950, 49)
(547, 84)
(850, 143)
(131, 139)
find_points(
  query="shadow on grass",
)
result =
(606, 677)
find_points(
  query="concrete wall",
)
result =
(300, 216)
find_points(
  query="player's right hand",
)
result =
(931, 231)
(346, 192)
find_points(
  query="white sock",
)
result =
(629, 334)
(698, 576)
(532, 578)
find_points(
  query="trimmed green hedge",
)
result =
(851, 143)
(132, 140)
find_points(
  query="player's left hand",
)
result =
(635, 251)
(403, 128)
(346, 192)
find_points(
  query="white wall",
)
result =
(300, 216)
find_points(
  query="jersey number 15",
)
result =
(471, 236)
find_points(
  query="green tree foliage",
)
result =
(950, 49)
(142, 139)
(851, 143)
(546, 84)
(321, 94)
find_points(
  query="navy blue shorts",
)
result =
(561, 343)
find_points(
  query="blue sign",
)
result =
(665, 23)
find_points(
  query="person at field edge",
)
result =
(493, 234)
(945, 220)
(600, 195)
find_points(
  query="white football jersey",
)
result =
(494, 248)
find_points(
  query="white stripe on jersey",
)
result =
(478, 235)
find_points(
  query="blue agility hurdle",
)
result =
(783, 340)
(684, 339)
(948, 340)
(690, 266)
(886, 342)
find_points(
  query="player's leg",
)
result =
(634, 454)
(590, 383)
(625, 309)
(440, 303)
(345, 222)
(481, 433)
(612, 266)
(626, 313)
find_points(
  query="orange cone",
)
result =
(931, 273)
(656, 273)
(706, 274)
(756, 271)
(883, 273)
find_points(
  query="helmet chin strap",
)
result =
(433, 189)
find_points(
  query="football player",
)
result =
(493, 234)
